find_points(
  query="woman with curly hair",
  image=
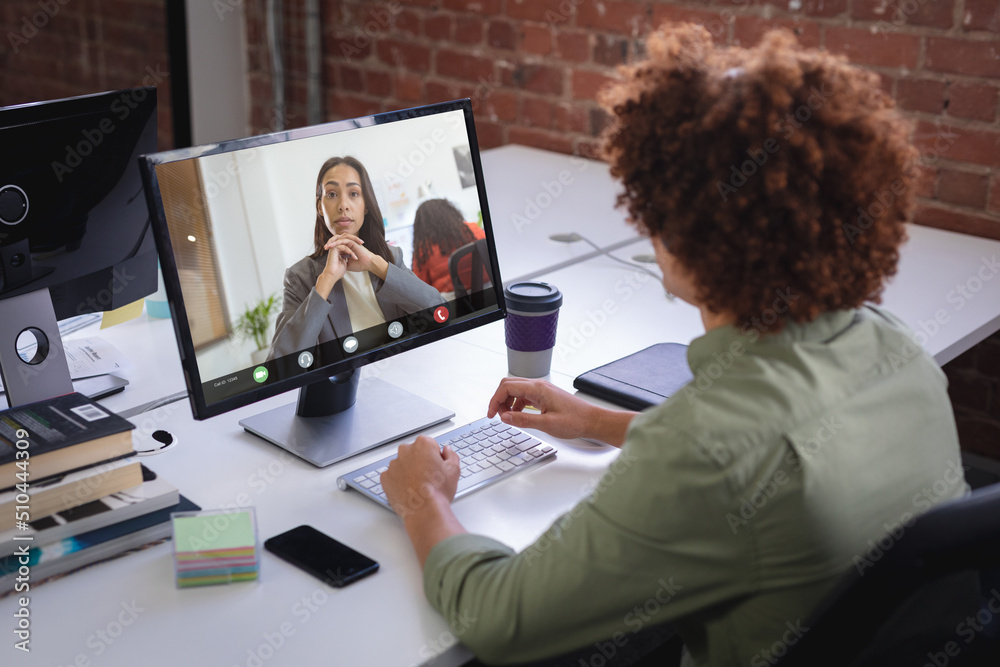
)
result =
(438, 231)
(774, 183)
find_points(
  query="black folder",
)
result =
(642, 379)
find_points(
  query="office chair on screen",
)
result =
(473, 262)
(913, 604)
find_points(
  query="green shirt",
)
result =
(733, 506)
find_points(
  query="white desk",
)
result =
(385, 620)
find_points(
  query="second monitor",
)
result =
(287, 260)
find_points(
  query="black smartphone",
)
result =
(321, 556)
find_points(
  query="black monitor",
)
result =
(243, 221)
(75, 233)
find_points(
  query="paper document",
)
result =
(86, 357)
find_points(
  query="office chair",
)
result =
(921, 602)
(476, 266)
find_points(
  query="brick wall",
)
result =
(532, 68)
(60, 48)
(974, 386)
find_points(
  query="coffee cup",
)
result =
(532, 315)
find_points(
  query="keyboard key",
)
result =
(502, 427)
(494, 460)
(367, 483)
(382, 469)
(516, 460)
(359, 479)
(519, 438)
(505, 466)
(476, 448)
(479, 456)
(372, 475)
(465, 472)
(474, 467)
(524, 446)
(378, 490)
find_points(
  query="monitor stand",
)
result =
(46, 374)
(342, 416)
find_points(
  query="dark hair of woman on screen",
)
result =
(439, 230)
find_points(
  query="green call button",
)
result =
(259, 374)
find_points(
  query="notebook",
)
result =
(640, 380)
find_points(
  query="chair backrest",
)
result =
(910, 596)
(473, 269)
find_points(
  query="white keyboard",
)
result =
(488, 450)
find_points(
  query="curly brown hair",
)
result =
(767, 170)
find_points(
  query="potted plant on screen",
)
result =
(253, 324)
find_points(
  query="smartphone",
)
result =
(321, 556)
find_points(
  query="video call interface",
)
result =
(239, 219)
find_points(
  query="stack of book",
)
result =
(72, 491)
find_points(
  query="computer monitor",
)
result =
(243, 221)
(75, 233)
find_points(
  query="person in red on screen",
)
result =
(438, 231)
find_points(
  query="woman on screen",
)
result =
(438, 231)
(353, 280)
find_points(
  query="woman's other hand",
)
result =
(560, 414)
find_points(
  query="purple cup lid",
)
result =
(532, 297)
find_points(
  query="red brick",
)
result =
(968, 389)
(979, 435)
(350, 78)
(379, 83)
(501, 105)
(882, 49)
(409, 87)
(716, 23)
(479, 6)
(537, 112)
(345, 105)
(995, 194)
(981, 15)
(552, 141)
(408, 21)
(895, 14)
(438, 27)
(927, 181)
(573, 46)
(973, 101)
(962, 188)
(536, 78)
(959, 143)
(807, 7)
(747, 30)
(924, 95)
(469, 30)
(461, 65)
(546, 11)
(536, 39)
(614, 16)
(964, 223)
(501, 35)
(572, 118)
(979, 58)
(489, 135)
(439, 91)
(413, 57)
(586, 84)
(610, 50)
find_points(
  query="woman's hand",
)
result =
(560, 414)
(420, 473)
(339, 253)
(361, 258)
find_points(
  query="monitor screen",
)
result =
(72, 215)
(248, 228)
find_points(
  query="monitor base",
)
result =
(381, 414)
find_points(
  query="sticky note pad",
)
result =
(215, 547)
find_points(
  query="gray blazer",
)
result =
(306, 318)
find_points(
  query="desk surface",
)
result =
(609, 311)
